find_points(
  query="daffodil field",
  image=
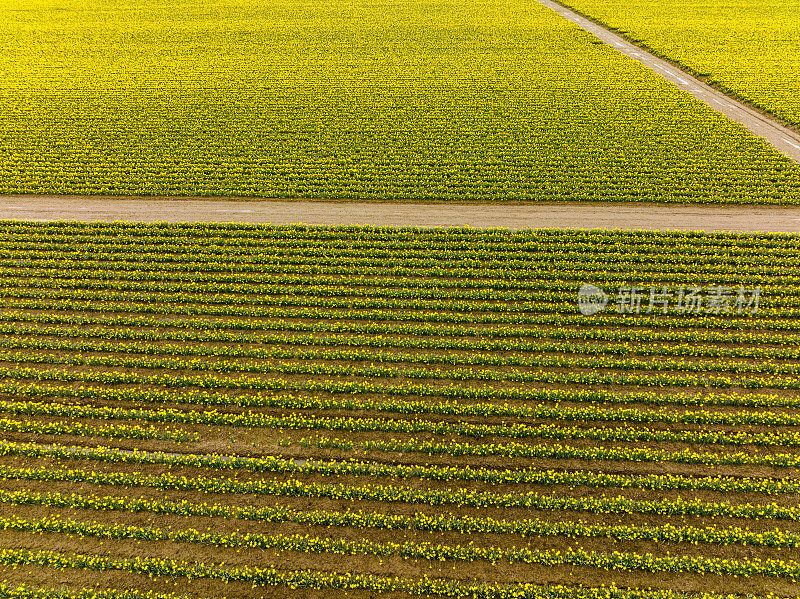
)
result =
(422, 100)
(749, 48)
(198, 410)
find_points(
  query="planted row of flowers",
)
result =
(293, 487)
(526, 528)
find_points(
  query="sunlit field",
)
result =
(421, 100)
(751, 48)
(247, 411)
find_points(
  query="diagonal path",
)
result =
(786, 141)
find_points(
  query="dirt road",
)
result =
(784, 140)
(562, 216)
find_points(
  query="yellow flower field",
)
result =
(414, 100)
(750, 48)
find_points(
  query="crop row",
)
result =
(424, 310)
(558, 451)
(24, 591)
(457, 374)
(417, 272)
(315, 579)
(412, 272)
(350, 355)
(559, 298)
(518, 272)
(608, 247)
(462, 591)
(445, 408)
(542, 451)
(625, 561)
(487, 337)
(36, 340)
(257, 231)
(419, 320)
(651, 240)
(400, 406)
(466, 275)
(32, 251)
(164, 307)
(782, 438)
(419, 521)
(484, 244)
(473, 282)
(532, 476)
(369, 492)
(69, 427)
(550, 450)
(478, 299)
(444, 391)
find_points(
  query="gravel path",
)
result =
(559, 216)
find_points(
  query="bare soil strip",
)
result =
(653, 217)
(781, 138)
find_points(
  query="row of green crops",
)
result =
(413, 550)
(293, 487)
(548, 450)
(529, 527)
(565, 413)
(132, 247)
(38, 299)
(458, 374)
(294, 579)
(420, 323)
(376, 334)
(430, 586)
(70, 427)
(14, 339)
(528, 591)
(723, 484)
(418, 425)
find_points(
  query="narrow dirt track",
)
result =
(781, 138)
(559, 216)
